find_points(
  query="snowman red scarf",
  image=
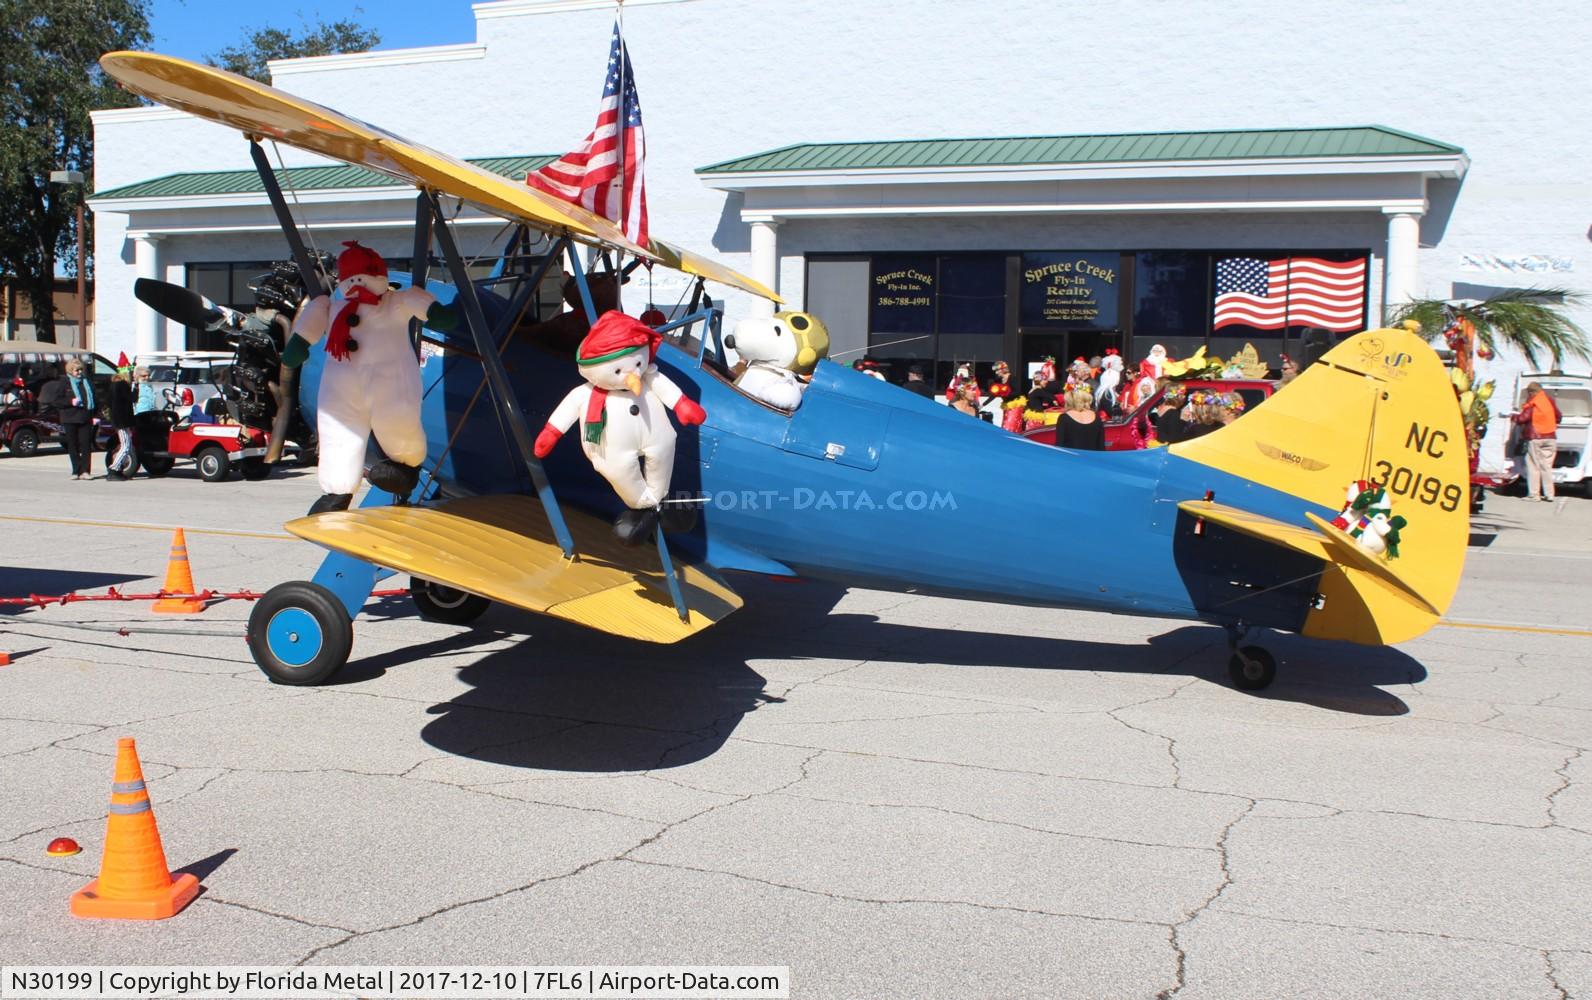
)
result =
(337, 339)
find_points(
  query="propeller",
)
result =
(186, 307)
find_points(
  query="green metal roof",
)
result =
(1250, 144)
(337, 177)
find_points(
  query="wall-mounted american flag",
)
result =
(1290, 291)
(593, 174)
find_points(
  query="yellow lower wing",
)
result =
(502, 548)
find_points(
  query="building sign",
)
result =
(901, 293)
(1070, 291)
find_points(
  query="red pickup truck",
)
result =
(1128, 431)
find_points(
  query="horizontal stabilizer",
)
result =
(502, 548)
(1325, 542)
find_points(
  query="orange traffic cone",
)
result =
(179, 580)
(134, 882)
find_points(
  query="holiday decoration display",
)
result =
(624, 423)
(372, 379)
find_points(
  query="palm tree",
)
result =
(1530, 320)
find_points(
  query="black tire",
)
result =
(25, 442)
(437, 603)
(309, 458)
(1252, 669)
(214, 465)
(300, 633)
(254, 469)
(157, 467)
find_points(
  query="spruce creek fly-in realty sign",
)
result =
(901, 293)
(1070, 290)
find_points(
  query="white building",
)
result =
(1430, 140)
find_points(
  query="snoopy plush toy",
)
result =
(776, 350)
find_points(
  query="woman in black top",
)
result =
(1081, 427)
(122, 418)
(72, 398)
(1169, 425)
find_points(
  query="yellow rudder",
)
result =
(1377, 407)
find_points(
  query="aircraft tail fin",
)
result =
(1378, 407)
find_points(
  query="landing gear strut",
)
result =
(1252, 668)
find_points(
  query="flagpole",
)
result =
(619, 15)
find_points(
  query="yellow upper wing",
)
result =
(259, 110)
(682, 259)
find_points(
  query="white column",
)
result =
(1401, 280)
(765, 257)
(147, 324)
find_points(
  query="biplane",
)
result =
(864, 484)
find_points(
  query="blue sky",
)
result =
(194, 29)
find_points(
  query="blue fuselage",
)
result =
(870, 485)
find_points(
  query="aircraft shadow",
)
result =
(615, 705)
(20, 581)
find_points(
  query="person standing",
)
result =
(1081, 427)
(967, 399)
(123, 419)
(72, 396)
(915, 383)
(1539, 425)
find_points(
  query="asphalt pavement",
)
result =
(893, 795)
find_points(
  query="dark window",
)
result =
(1171, 295)
(225, 283)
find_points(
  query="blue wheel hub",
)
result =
(294, 636)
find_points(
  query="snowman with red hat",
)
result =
(624, 420)
(372, 379)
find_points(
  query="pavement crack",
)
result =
(999, 822)
(1171, 743)
(1553, 975)
(1564, 778)
(909, 901)
(208, 897)
(1179, 950)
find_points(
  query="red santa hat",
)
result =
(615, 335)
(358, 260)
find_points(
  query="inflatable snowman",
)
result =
(624, 423)
(372, 378)
(777, 349)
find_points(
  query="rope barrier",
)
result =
(112, 594)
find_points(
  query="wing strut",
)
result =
(502, 391)
(314, 281)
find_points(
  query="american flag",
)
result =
(592, 175)
(1290, 291)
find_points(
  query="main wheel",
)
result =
(25, 442)
(254, 469)
(158, 467)
(437, 603)
(1252, 668)
(300, 633)
(213, 463)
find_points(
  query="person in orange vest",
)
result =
(1539, 426)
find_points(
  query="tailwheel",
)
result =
(1252, 668)
(300, 633)
(437, 603)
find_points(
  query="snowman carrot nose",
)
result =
(633, 383)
